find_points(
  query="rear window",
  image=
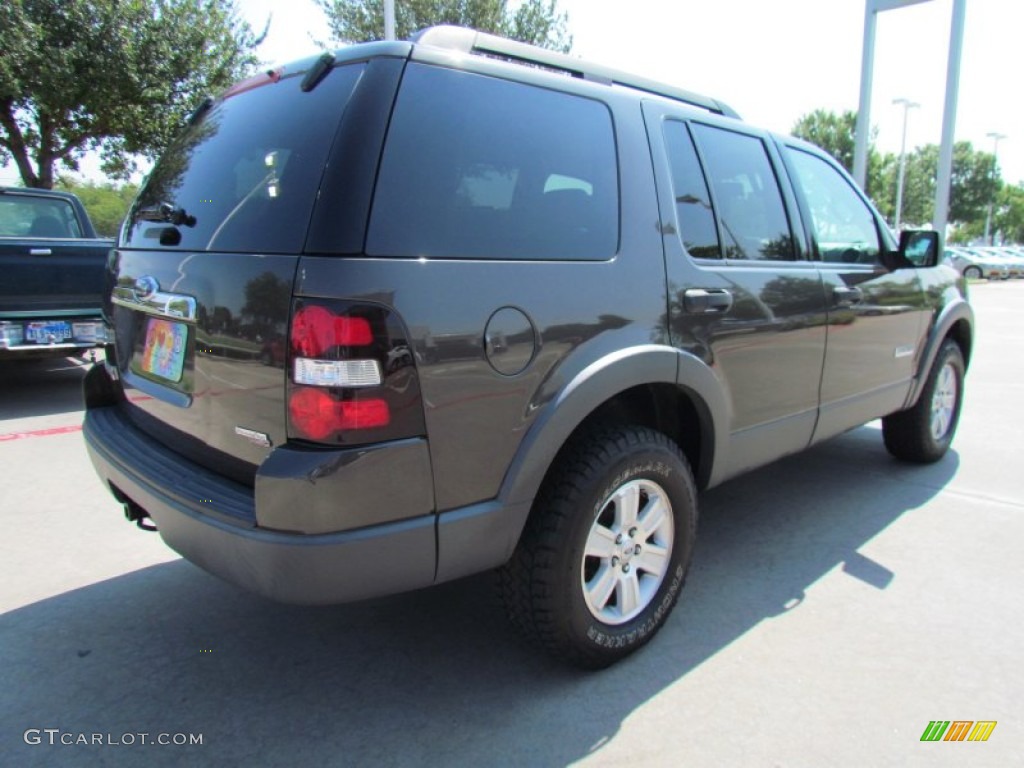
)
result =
(26, 216)
(478, 167)
(245, 176)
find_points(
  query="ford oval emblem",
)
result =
(146, 287)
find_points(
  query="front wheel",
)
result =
(923, 432)
(604, 555)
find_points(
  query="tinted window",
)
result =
(750, 208)
(249, 170)
(26, 216)
(477, 167)
(694, 215)
(844, 226)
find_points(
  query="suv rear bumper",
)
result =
(212, 521)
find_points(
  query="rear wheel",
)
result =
(923, 432)
(972, 273)
(605, 552)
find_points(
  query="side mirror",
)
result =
(920, 247)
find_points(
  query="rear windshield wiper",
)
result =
(167, 213)
(202, 109)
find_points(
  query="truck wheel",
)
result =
(605, 552)
(923, 432)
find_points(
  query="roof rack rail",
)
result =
(466, 40)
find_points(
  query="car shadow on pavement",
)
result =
(41, 387)
(430, 678)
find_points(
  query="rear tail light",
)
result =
(337, 373)
(316, 414)
(316, 330)
(353, 378)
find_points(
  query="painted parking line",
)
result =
(8, 436)
(40, 433)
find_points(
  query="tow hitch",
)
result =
(135, 514)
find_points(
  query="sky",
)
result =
(774, 61)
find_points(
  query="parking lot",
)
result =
(838, 603)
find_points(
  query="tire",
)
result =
(598, 570)
(972, 273)
(923, 432)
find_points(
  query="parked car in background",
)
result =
(52, 274)
(1013, 262)
(974, 265)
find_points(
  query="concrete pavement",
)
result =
(838, 603)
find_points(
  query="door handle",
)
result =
(39, 252)
(697, 301)
(846, 297)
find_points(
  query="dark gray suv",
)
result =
(417, 310)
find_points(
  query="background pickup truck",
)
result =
(52, 274)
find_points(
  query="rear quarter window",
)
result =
(479, 167)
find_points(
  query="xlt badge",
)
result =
(254, 437)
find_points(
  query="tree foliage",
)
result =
(113, 76)
(1008, 219)
(975, 179)
(975, 182)
(836, 134)
(106, 204)
(532, 21)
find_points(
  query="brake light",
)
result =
(353, 377)
(317, 414)
(316, 330)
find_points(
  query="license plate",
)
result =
(48, 333)
(88, 332)
(164, 353)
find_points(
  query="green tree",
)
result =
(836, 134)
(1008, 218)
(975, 181)
(533, 21)
(918, 185)
(106, 204)
(113, 76)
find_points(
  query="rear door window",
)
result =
(694, 214)
(478, 167)
(244, 178)
(747, 195)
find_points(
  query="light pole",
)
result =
(860, 151)
(389, 19)
(867, 68)
(907, 106)
(996, 138)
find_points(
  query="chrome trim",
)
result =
(173, 305)
(254, 437)
(145, 287)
